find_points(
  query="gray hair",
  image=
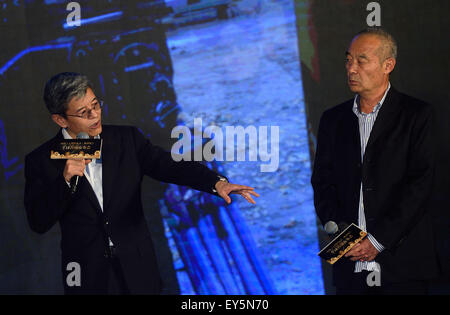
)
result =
(62, 88)
(389, 44)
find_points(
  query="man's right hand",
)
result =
(74, 167)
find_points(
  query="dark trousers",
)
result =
(116, 281)
(356, 284)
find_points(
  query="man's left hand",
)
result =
(224, 189)
(363, 251)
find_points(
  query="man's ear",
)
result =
(59, 120)
(389, 65)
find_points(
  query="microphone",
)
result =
(333, 229)
(75, 178)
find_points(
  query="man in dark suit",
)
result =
(374, 167)
(104, 233)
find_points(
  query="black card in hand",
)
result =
(77, 149)
(342, 243)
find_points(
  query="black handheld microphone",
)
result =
(74, 180)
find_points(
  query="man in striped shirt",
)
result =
(373, 167)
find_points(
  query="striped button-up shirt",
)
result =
(366, 122)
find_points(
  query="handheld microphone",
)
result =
(74, 180)
(332, 228)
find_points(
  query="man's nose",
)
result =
(93, 113)
(351, 67)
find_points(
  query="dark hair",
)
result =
(61, 88)
(389, 46)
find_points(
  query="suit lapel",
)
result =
(110, 163)
(352, 132)
(356, 139)
(58, 163)
(86, 189)
(386, 117)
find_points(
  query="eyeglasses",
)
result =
(86, 113)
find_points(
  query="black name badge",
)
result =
(342, 243)
(77, 149)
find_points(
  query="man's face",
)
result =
(366, 73)
(83, 106)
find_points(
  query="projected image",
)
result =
(244, 71)
(160, 66)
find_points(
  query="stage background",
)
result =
(228, 62)
(159, 64)
(420, 27)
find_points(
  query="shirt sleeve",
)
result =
(375, 243)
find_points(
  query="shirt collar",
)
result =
(377, 107)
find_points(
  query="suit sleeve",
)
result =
(415, 193)
(159, 164)
(46, 198)
(322, 179)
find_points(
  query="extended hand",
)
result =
(363, 251)
(224, 189)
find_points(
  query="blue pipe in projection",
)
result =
(140, 66)
(206, 271)
(240, 256)
(198, 266)
(213, 245)
(13, 60)
(250, 247)
(192, 251)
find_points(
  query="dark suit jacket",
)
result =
(127, 156)
(396, 175)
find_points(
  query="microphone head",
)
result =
(331, 227)
(82, 135)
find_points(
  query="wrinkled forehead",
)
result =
(365, 44)
(82, 100)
